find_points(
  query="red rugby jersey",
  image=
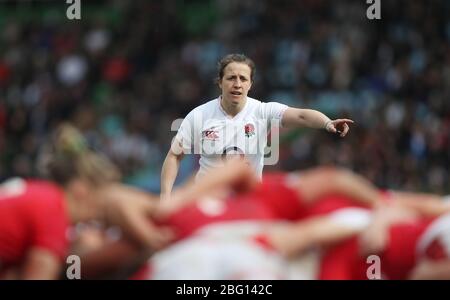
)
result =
(273, 199)
(32, 214)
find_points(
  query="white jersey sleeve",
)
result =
(273, 112)
(187, 135)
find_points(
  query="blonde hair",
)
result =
(69, 157)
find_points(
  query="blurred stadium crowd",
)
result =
(127, 69)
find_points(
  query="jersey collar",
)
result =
(225, 113)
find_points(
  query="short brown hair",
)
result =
(239, 58)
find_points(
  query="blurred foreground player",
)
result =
(260, 235)
(35, 214)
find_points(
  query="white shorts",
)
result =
(220, 251)
(200, 258)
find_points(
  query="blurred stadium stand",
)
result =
(127, 69)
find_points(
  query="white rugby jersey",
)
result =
(208, 130)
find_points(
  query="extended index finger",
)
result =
(345, 121)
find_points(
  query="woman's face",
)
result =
(235, 83)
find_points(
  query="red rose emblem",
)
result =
(249, 130)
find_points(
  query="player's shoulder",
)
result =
(274, 176)
(264, 108)
(279, 181)
(206, 108)
(36, 199)
(254, 102)
(44, 193)
(42, 186)
(18, 187)
(275, 180)
(254, 106)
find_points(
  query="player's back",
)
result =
(220, 238)
(343, 261)
(32, 214)
(271, 200)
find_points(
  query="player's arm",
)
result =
(41, 264)
(428, 205)
(236, 175)
(170, 169)
(182, 143)
(104, 257)
(323, 181)
(133, 210)
(431, 270)
(296, 117)
(374, 238)
(113, 259)
(292, 239)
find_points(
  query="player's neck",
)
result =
(78, 212)
(230, 108)
(74, 212)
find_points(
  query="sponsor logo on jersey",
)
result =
(210, 134)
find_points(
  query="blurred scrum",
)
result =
(127, 69)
